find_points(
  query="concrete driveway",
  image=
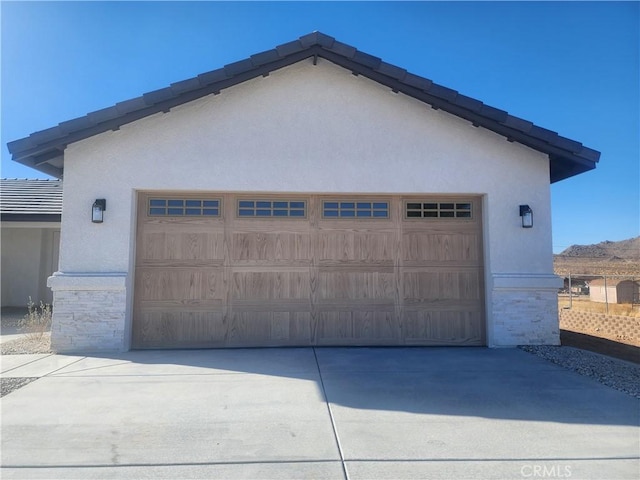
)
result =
(356, 413)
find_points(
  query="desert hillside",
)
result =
(611, 258)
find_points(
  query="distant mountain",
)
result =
(611, 258)
(625, 250)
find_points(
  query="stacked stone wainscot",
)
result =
(89, 312)
(525, 310)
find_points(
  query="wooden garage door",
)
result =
(227, 270)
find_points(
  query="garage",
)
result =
(258, 270)
(311, 194)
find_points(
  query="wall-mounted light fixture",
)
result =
(97, 210)
(527, 216)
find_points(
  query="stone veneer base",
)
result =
(524, 310)
(89, 312)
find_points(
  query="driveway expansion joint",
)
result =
(333, 423)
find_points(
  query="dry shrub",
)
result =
(37, 322)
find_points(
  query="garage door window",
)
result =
(355, 209)
(272, 208)
(184, 207)
(438, 210)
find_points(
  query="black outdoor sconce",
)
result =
(97, 210)
(527, 216)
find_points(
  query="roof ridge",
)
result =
(44, 149)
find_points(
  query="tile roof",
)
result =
(44, 150)
(30, 200)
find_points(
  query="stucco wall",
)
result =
(29, 256)
(306, 128)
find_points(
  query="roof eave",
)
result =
(42, 149)
(31, 217)
(579, 163)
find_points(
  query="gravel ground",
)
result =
(619, 374)
(8, 385)
(30, 343)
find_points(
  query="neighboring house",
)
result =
(31, 211)
(614, 291)
(308, 195)
(577, 286)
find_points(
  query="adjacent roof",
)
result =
(23, 200)
(44, 150)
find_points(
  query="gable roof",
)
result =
(24, 200)
(612, 282)
(44, 150)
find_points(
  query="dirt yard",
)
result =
(603, 346)
(583, 303)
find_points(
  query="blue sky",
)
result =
(571, 67)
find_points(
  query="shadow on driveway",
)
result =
(464, 381)
(351, 413)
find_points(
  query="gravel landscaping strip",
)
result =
(8, 385)
(29, 343)
(619, 374)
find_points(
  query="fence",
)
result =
(608, 294)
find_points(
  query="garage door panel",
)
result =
(265, 285)
(182, 304)
(291, 327)
(183, 263)
(234, 281)
(249, 328)
(367, 327)
(180, 284)
(343, 284)
(276, 306)
(427, 247)
(346, 305)
(246, 328)
(432, 305)
(270, 247)
(354, 265)
(169, 284)
(199, 248)
(443, 328)
(267, 224)
(270, 265)
(167, 223)
(438, 226)
(180, 328)
(418, 286)
(356, 246)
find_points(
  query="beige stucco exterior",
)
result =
(315, 128)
